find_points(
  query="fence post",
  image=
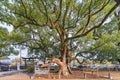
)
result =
(109, 76)
(84, 75)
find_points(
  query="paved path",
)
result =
(7, 72)
(15, 76)
(10, 72)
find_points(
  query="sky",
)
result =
(10, 28)
(22, 52)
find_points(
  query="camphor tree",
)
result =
(55, 27)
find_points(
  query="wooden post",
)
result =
(92, 73)
(109, 76)
(84, 75)
(97, 72)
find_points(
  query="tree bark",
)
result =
(63, 70)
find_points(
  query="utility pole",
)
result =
(20, 57)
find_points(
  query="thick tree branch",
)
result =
(46, 12)
(60, 6)
(89, 16)
(6, 21)
(97, 26)
(104, 5)
(88, 20)
(76, 20)
(65, 14)
(24, 7)
(24, 16)
(88, 51)
(30, 23)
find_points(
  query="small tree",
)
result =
(31, 69)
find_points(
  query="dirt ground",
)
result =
(114, 74)
(100, 75)
(77, 75)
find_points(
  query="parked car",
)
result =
(80, 66)
(54, 68)
(103, 67)
(93, 66)
(4, 66)
(117, 67)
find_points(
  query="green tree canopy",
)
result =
(57, 27)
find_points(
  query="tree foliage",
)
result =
(6, 47)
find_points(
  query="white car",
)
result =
(93, 66)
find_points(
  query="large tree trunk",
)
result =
(63, 70)
(63, 50)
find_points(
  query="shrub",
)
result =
(31, 69)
